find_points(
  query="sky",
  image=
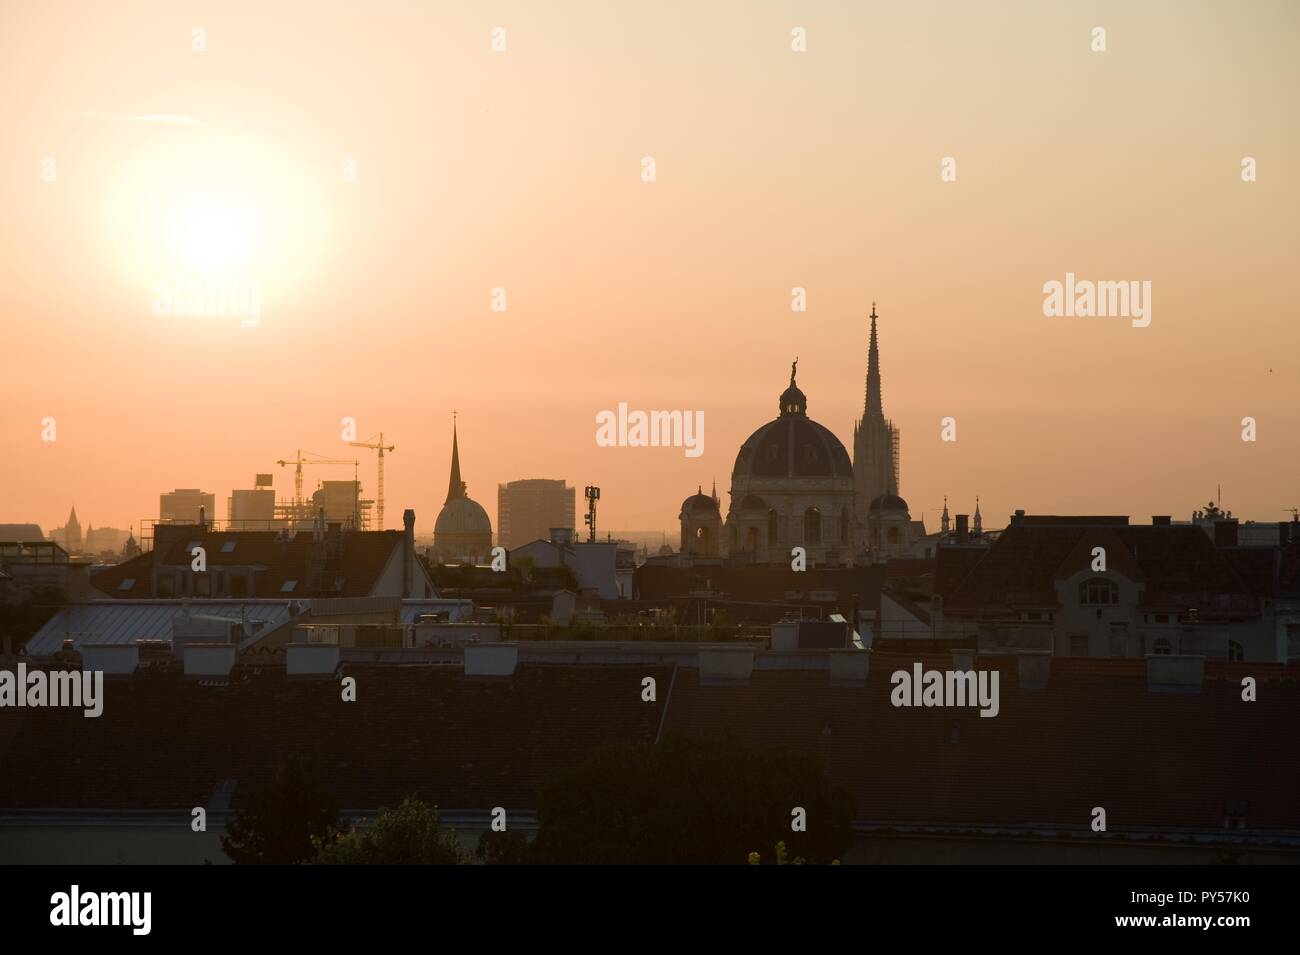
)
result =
(375, 171)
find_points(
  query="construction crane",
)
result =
(379, 446)
(299, 461)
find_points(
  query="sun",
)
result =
(215, 205)
(212, 230)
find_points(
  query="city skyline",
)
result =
(379, 289)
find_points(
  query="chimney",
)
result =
(209, 660)
(408, 553)
(202, 516)
(1160, 520)
(962, 524)
(1225, 533)
(491, 659)
(726, 665)
(1019, 513)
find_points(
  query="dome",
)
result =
(889, 502)
(699, 502)
(752, 502)
(792, 446)
(462, 516)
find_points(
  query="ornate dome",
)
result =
(462, 516)
(889, 502)
(793, 445)
(699, 502)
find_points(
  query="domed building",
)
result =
(462, 534)
(701, 522)
(792, 485)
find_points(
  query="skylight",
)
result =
(228, 546)
(287, 586)
(126, 584)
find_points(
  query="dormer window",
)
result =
(1098, 590)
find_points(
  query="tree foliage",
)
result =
(411, 834)
(689, 801)
(281, 818)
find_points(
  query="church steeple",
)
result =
(873, 404)
(945, 521)
(455, 486)
(979, 522)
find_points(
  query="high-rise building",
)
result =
(528, 510)
(253, 508)
(181, 506)
(341, 501)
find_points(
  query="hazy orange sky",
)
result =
(522, 169)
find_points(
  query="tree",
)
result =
(411, 834)
(689, 801)
(281, 818)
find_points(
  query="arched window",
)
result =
(1236, 651)
(1162, 647)
(773, 527)
(812, 526)
(893, 535)
(1098, 590)
(751, 540)
(844, 526)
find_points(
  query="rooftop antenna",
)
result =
(593, 495)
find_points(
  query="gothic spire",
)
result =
(455, 486)
(873, 405)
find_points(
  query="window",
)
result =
(810, 453)
(1236, 652)
(228, 547)
(1078, 645)
(1162, 647)
(288, 586)
(238, 586)
(1098, 590)
(1162, 618)
(751, 539)
(126, 584)
(772, 527)
(893, 535)
(812, 526)
(844, 526)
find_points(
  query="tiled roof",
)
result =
(1091, 738)
(1094, 736)
(427, 731)
(1179, 566)
(351, 571)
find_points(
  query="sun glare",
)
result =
(193, 204)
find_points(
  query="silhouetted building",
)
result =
(462, 532)
(69, 535)
(528, 510)
(792, 484)
(182, 505)
(701, 523)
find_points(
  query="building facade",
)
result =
(530, 509)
